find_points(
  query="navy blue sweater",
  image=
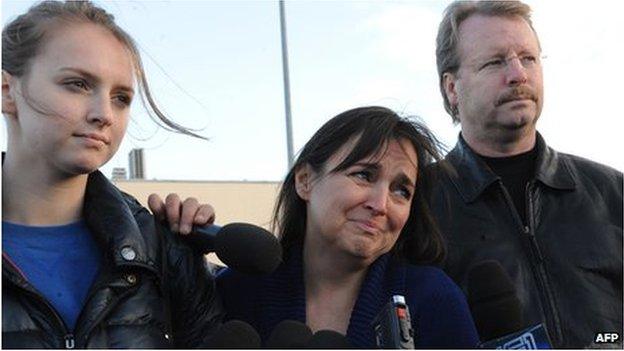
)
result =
(440, 315)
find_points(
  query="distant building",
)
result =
(137, 164)
(119, 173)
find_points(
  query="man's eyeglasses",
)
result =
(501, 63)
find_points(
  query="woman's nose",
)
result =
(101, 111)
(378, 200)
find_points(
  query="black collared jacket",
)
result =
(152, 290)
(566, 264)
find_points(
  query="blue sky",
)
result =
(216, 65)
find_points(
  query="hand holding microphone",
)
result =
(181, 215)
(244, 247)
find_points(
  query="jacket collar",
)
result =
(552, 169)
(112, 220)
(473, 175)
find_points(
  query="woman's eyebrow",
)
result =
(403, 179)
(374, 165)
(81, 72)
(93, 78)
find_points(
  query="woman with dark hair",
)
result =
(356, 230)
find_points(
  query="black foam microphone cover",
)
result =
(328, 339)
(248, 248)
(289, 334)
(234, 334)
(493, 301)
(241, 246)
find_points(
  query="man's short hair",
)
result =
(447, 56)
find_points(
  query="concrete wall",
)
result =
(249, 202)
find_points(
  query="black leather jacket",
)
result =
(566, 264)
(152, 290)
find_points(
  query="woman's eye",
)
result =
(123, 99)
(77, 84)
(364, 175)
(404, 192)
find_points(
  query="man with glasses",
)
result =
(553, 220)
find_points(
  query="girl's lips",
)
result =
(94, 137)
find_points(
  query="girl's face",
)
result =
(70, 110)
(360, 211)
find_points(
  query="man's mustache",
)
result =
(517, 93)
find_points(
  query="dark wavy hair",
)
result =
(373, 127)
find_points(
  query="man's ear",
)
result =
(8, 94)
(303, 182)
(449, 82)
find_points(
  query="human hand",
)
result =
(181, 216)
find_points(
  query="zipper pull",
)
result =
(69, 341)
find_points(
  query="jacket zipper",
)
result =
(68, 337)
(536, 259)
(111, 304)
(99, 282)
(552, 317)
(70, 342)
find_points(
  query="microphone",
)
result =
(234, 334)
(492, 298)
(328, 339)
(497, 310)
(393, 325)
(532, 338)
(289, 334)
(244, 247)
